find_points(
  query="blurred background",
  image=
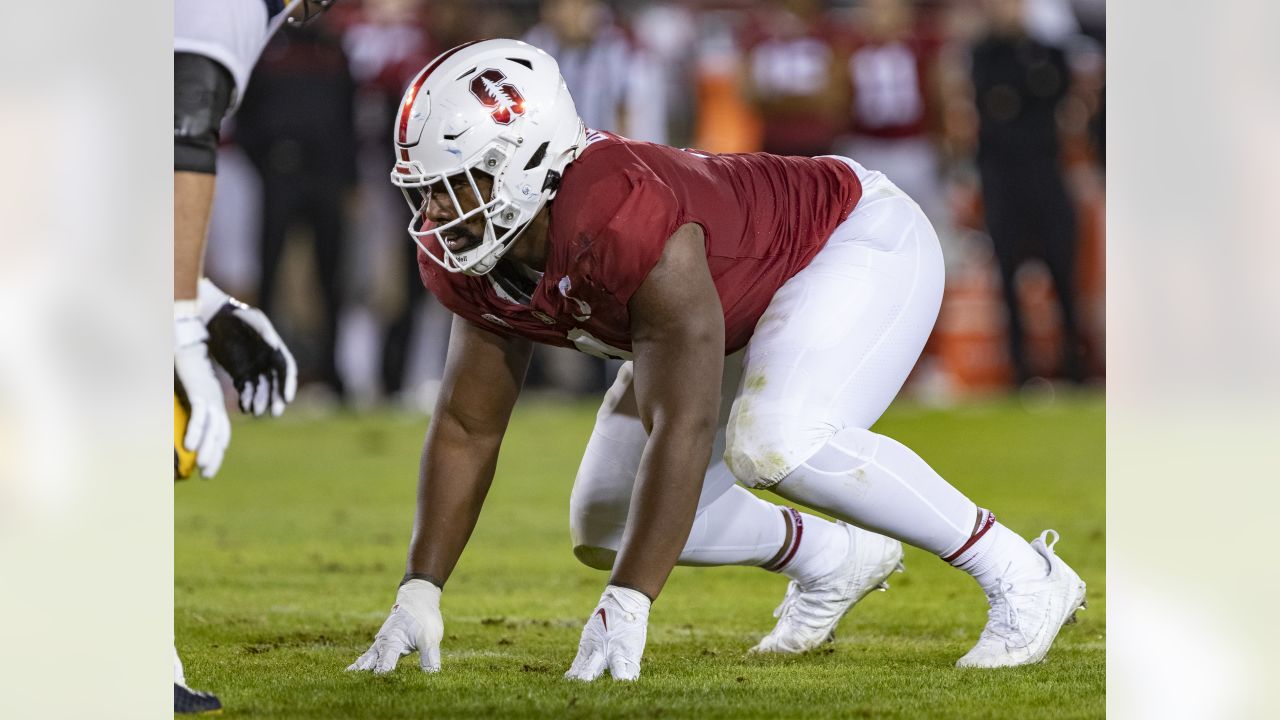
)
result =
(988, 112)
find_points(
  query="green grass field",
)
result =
(287, 563)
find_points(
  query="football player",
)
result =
(769, 309)
(215, 47)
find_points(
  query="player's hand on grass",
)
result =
(414, 624)
(208, 428)
(245, 343)
(613, 637)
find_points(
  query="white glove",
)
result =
(209, 429)
(613, 636)
(414, 624)
(245, 343)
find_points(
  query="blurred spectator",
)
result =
(792, 77)
(1052, 22)
(669, 32)
(725, 120)
(1018, 83)
(891, 67)
(387, 45)
(296, 127)
(615, 84)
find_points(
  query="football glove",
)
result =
(208, 428)
(614, 636)
(414, 624)
(243, 341)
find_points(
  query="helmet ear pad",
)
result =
(497, 107)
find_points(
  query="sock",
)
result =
(177, 669)
(994, 553)
(739, 528)
(813, 547)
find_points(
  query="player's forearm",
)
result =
(663, 503)
(192, 200)
(454, 478)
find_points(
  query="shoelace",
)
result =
(1009, 628)
(1002, 616)
(791, 608)
(788, 600)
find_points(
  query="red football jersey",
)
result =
(764, 217)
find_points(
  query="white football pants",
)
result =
(828, 356)
(231, 32)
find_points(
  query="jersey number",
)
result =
(887, 86)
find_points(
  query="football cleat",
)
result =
(1027, 611)
(194, 702)
(809, 613)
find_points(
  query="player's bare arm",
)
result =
(192, 198)
(677, 339)
(482, 379)
(677, 331)
(458, 461)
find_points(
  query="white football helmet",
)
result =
(498, 107)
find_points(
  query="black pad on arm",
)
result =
(202, 90)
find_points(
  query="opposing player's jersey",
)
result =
(231, 32)
(763, 216)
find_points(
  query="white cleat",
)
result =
(808, 614)
(1027, 612)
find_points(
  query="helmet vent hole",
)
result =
(536, 159)
(522, 61)
(466, 73)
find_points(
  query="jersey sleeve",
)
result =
(625, 217)
(631, 243)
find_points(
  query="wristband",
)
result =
(211, 299)
(187, 326)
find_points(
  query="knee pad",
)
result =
(759, 454)
(202, 90)
(599, 558)
(758, 468)
(761, 450)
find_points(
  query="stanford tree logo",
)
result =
(501, 97)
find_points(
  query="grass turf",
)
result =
(287, 563)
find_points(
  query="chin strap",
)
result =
(550, 186)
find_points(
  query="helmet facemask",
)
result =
(502, 226)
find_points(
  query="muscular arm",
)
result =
(461, 449)
(677, 331)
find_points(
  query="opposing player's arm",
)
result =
(677, 330)
(482, 379)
